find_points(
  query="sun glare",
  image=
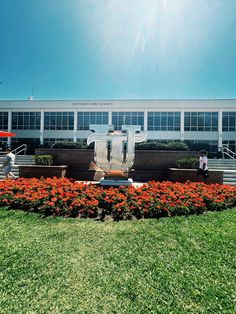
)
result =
(129, 27)
(126, 30)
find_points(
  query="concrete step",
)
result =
(229, 177)
(25, 162)
(222, 167)
(14, 171)
(230, 171)
(217, 163)
(20, 160)
(229, 161)
(221, 159)
(20, 157)
(222, 164)
(229, 180)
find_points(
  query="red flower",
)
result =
(63, 196)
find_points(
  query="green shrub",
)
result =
(43, 160)
(187, 163)
(70, 145)
(199, 146)
(176, 146)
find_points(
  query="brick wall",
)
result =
(38, 171)
(148, 165)
(183, 175)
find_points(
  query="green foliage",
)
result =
(199, 146)
(173, 146)
(176, 146)
(70, 145)
(43, 160)
(187, 163)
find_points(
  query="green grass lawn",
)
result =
(170, 265)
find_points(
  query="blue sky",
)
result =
(117, 49)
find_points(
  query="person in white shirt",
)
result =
(203, 168)
(8, 164)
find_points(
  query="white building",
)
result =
(47, 121)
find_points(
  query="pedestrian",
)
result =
(219, 153)
(8, 164)
(3, 147)
(203, 168)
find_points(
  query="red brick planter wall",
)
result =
(183, 175)
(148, 165)
(38, 171)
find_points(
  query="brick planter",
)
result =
(183, 175)
(148, 164)
(38, 171)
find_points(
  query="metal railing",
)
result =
(20, 149)
(228, 152)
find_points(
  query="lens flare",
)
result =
(126, 31)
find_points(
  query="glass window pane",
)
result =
(194, 121)
(208, 121)
(170, 121)
(163, 121)
(99, 119)
(215, 121)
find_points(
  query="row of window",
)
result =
(229, 121)
(157, 121)
(4, 120)
(164, 121)
(127, 118)
(201, 121)
(26, 121)
(87, 118)
(59, 121)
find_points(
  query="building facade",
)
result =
(44, 122)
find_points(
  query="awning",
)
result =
(6, 134)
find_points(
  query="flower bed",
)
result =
(63, 197)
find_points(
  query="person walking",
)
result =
(203, 168)
(8, 164)
(2, 147)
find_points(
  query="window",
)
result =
(25, 120)
(59, 120)
(127, 118)
(87, 118)
(3, 120)
(164, 121)
(201, 121)
(229, 121)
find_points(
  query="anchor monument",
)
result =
(114, 151)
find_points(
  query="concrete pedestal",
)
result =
(112, 182)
